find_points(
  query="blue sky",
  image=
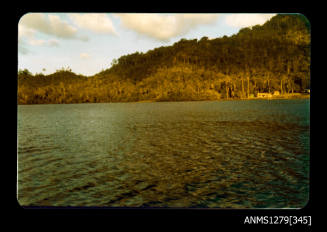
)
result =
(88, 42)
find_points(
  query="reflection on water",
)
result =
(227, 154)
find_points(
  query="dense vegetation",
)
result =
(274, 56)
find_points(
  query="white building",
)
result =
(264, 95)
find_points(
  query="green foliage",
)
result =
(274, 56)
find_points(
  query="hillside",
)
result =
(274, 56)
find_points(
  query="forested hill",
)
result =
(274, 56)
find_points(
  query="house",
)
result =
(276, 93)
(264, 95)
(307, 91)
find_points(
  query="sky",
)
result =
(88, 42)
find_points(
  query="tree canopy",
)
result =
(274, 56)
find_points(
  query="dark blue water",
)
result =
(225, 154)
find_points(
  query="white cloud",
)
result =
(247, 20)
(84, 55)
(60, 28)
(99, 23)
(41, 42)
(48, 24)
(25, 32)
(53, 43)
(164, 27)
(28, 36)
(22, 47)
(36, 42)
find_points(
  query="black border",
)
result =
(134, 217)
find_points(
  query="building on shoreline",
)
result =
(276, 93)
(264, 95)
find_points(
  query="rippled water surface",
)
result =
(225, 154)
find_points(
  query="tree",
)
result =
(274, 56)
(25, 72)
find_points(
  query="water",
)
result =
(226, 154)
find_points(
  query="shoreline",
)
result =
(287, 97)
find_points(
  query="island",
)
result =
(260, 62)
